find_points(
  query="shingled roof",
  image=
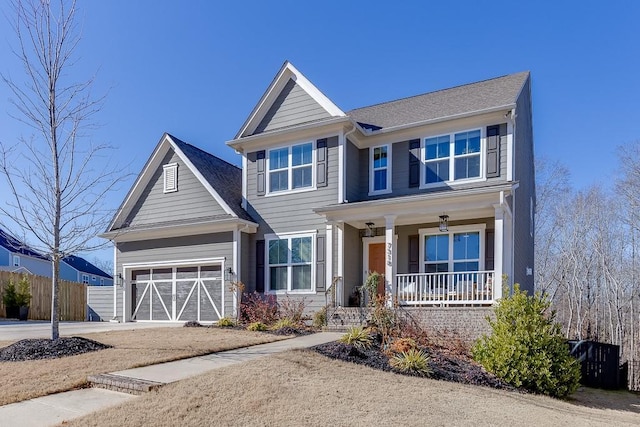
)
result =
(14, 245)
(475, 97)
(224, 177)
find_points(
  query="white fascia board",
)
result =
(203, 181)
(173, 230)
(286, 72)
(300, 132)
(141, 181)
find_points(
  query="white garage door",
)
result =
(178, 293)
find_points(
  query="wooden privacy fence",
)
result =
(73, 297)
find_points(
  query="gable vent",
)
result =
(170, 177)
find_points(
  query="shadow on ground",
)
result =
(617, 400)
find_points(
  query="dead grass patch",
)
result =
(304, 388)
(131, 349)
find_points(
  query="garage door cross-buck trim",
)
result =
(178, 293)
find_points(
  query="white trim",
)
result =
(15, 261)
(237, 262)
(115, 281)
(286, 72)
(290, 169)
(388, 188)
(340, 272)
(510, 134)
(328, 260)
(479, 228)
(288, 236)
(170, 178)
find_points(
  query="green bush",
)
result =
(413, 360)
(23, 296)
(320, 318)
(226, 322)
(10, 295)
(257, 326)
(285, 322)
(526, 348)
(357, 337)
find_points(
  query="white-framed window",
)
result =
(452, 157)
(290, 262)
(380, 169)
(291, 168)
(170, 177)
(101, 282)
(460, 249)
(85, 279)
(16, 261)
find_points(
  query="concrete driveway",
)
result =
(15, 330)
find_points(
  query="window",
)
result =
(101, 282)
(291, 168)
(458, 250)
(93, 278)
(16, 261)
(380, 177)
(441, 166)
(170, 177)
(85, 279)
(290, 261)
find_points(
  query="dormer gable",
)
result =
(290, 100)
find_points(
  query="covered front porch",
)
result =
(423, 262)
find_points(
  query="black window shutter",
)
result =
(414, 254)
(321, 162)
(320, 263)
(493, 151)
(260, 160)
(414, 163)
(260, 266)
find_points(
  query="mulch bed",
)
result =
(38, 349)
(447, 367)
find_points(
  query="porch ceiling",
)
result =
(423, 208)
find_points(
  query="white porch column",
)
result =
(390, 256)
(498, 248)
(507, 248)
(328, 262)
(115, 281)
(340, 260)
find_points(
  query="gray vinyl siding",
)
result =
(287, 213)
(37, 266)
(400, 174)
(293, 106)
(99, 303)
(525, 175)
(5, 256)
(191, 201)
(352, 172)
(352, 261)
(69, 273)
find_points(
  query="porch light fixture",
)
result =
(369, 232)
(229, 275)
(119, 279)
(444, 222)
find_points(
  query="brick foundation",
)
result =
(466, 323)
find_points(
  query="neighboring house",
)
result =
(16, 256)
(435, 192)
(78, 269)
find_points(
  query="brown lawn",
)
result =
(303, 388)
(132, 348)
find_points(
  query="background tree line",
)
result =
(587, 249)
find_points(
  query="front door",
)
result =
(377, 262)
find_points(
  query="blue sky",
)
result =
(196, 68)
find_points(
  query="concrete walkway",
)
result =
(54, 409)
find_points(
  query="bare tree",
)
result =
(59, 189)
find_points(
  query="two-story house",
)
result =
(435, 192)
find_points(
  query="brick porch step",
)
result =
(122, 384)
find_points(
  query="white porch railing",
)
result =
(459, 288)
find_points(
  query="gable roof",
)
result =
(224, 177)
(84, 266)
(286, 73)
(14, 245)
(500, 92)
(221, 179)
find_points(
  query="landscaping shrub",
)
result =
(258, 308)
(526, 348)
(413, 361)
(402, 345)
(320, 318)
(226, 322)
(257, 327)
(357, 337)
(292, 309)
(285, 322)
